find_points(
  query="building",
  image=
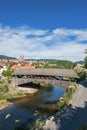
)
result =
(16, 67)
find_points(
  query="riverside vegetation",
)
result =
(67, 97)
(84, 127)
(7, 93)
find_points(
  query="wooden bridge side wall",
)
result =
(20, 81)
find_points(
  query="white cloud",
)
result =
(59, 43)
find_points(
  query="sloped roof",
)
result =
(27, 67)
(47, 72)
(22, 67)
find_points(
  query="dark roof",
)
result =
(47, 72)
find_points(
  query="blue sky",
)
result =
(44, 28)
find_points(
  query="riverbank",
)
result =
(21, 92)
(74, 115)
(8, 92)
(5, 99)
(67, 99)
(3, 103)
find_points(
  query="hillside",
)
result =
(50, 63)
(6, 57)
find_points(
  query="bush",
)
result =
(3, 89)
(7, 73)
(61, 104)
(82, 75)
(2, 81)
(83, 127)
(85, 64)
(81, 72)
(34, 126)
(67, 96)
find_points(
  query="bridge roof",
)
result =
(47, 72)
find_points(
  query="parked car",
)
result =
(58, 78)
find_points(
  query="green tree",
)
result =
(7, 73)
(85, 64)
(85, 60)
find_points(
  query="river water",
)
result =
(31, 107)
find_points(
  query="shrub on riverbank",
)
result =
(67, 96)
(7, 92)
(8, 96)
(35, 126)
(3, 89)
(4, 86)
(45, 84)
(81, 73)
(83, 127)
(42, 84)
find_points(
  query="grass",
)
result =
(65, 100)
(10, 96)
(5, 97)
(5, 94)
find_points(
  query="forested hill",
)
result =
(48, 63)
(62, 64)
(80, 62)
(6, 57)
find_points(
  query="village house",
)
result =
(22, 64)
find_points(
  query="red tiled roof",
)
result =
(27, 67)
(13, 60)
(22, 67)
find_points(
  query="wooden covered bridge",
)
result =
(22, 76)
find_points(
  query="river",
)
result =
(31, 107)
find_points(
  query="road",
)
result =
(75, 115)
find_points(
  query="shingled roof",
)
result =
(47, 72)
